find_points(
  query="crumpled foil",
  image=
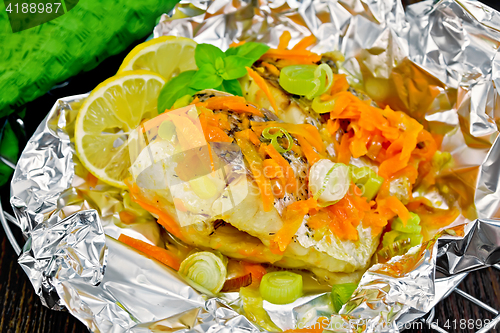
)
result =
(437, 62)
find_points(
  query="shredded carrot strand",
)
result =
(255, 162)
(235, 44)
(250, 136)
(164, 218)
(263, 86)
(272, 169)
(284, 40)
(292, 219)
(289, 175)
(305, 43)
(344, 154)
(271, 68)
(162, 255)
(257, 272)
(292, 56)
(389, 137)
(311, 156)
(127, 217)
(309, 132)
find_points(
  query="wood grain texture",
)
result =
(20, 308)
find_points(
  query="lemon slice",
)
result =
(107, 117)
(166, 55)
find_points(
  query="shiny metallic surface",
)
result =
(437, 62)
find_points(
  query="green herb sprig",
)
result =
(216, 70)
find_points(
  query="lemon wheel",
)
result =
(107, 117)
(166, 55)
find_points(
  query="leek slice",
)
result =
(412, 239)
(306, 80)
(204, 271)
(253, 306)
(281, 287)
(366, 179)
(274, 138)
(323, 107)
(372, 186)
(341, 293)
(328, 181)
(390, 237)
(412, 225)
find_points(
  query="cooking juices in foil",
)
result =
(437, 62)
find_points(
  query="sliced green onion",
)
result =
(341, 293)
(412, 239)
(274, 138)
(182, 102)
(204, 271)
(281, 287)
(328, 187)
(306, 80)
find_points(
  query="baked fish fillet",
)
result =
(222, 208)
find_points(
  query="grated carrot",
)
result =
(257, 272)
(127, 217)
(344, 154)
(392, 206)
(271, 68)
(311, 156)
(255, 162)
(235, 44)
(293, 56)
(284, 40)
(251, 136)
(231, 103)
(309, 132)
(272, 169)
(305, 43)
(263, 86)
(162, 255)
(164, 218)
(289, 175)
(386, 136)
(292, 219)
(340, 84)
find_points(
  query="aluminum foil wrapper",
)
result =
(437, 62)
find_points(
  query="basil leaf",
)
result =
(231, 86)
(206, 54)
(234, 67)
(205, 78)
(175, 89)
(250, 50)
